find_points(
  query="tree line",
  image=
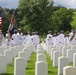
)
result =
(41, 16)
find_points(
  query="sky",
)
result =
(14, 3)
(66, 3)
(9, 3)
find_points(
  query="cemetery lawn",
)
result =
(30, 69)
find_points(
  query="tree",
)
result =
(61, 19)
(5, 21)
(73, 23)
(36, 14)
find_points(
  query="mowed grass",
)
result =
(30, 70)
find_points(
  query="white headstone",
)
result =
(19, 66)
(60, 48)
(49, 51)
(69, 47)
(74, 47)
(64, 51)
(70, 55)
(62, 62)
(28, 53)
(41, 57)
(41, 68)
(74, 59)
(8, 55)
(52, 50)
(39, 46)
(22, 54)
(2, 49)
(56, 55)
(3, 64)
(14, 52)
(69, 70)
(40, 52)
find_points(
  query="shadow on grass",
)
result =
(29, 68)
(7, 74)
(30, 61)
(50, 72)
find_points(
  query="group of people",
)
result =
(18, 38)
(15, 39)
(61, 38)
(32, 38)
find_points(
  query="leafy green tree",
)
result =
(73, 23)
(36, 14)
(5, 21)
(61, 19)
(5, 24)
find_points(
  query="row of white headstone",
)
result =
(20, 54)
(20, 62)
(41, 66)
(61, 57)
(6, 56)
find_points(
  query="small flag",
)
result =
(0, 18)
(11, 26)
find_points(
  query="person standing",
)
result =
(66, 39)
(58, 38)
(54, 40)
(37, 38)
(20, 35)
(49, 38)
(71, 34)
(28, 38)
(61, 37)
(73, 38)
(15, 38)
(8, 39)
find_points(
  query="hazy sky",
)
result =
(14, 3)
(66, 3)
(9, 3)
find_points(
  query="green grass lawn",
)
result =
(30, 69)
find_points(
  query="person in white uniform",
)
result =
(37, 38)
(71, 34)
(28, 38)
(49, 38)
(33, 39)
(61, 37)
(54, 40)
(8, 39)
(15, 38)
(73, 39)
(20, 35)
(66, 40)
(49, 34)
(58, 38)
